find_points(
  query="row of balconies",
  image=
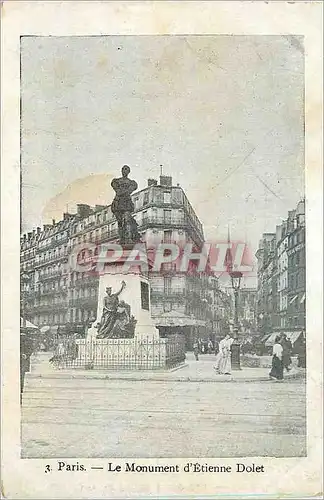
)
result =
(86, 281)
(76, 302)
(58, 306)
(51, 275)
(41, 261)
(53, 242)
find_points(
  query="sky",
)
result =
(223, 115)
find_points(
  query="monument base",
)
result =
(129, 354)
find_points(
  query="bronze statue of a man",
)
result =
(122, 207)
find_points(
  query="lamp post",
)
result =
(24, 280)
(235, 350)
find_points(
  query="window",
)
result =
(158, 195)
(167, 266)
(167, 236)
(167, 216)
(136, 202)
(167, 306)
(167, 197)
(146, 198)
(145, 301)
(167, 284)
(297, 259)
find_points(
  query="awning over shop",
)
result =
(264, 338)
(271, 340)
(174, 318)
(27, 324)
(26, 327)
(292, 336)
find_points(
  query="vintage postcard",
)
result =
(161, 249)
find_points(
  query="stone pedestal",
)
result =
(145, 350)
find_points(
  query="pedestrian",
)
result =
(277, 364)
(26, 350)
(59, 357)
(210, 347)
(196, 350)
(286, 353)
(223, 359)
(302, 353)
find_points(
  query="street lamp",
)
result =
(24, 280)
(235, 350)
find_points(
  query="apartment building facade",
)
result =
(281, 294)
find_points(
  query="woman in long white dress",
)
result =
(223, 358)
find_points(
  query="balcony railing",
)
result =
(167, 295)
(50, 307)
(86, 281)
(54, 243)
(52, 291)
(162, 221)
(42, 261)
(51, 275)
(105, 235)
(84, 301)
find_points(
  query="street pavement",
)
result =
(89, 416)
(191, 370)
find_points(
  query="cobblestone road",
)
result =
(121, 418)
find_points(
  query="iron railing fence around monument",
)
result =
(119, 354)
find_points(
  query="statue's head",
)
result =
(125, 170)
(108, 290)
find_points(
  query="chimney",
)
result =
(165, 180)
(34, 232)
(83, 210)
(47, 226)
(151, 182)
(29, 236)
(25, 237)
(53, 222)
(38, 230)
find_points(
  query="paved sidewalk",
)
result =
(190, 371)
